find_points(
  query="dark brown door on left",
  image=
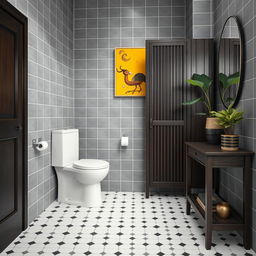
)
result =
(13, 122)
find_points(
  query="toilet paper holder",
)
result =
(39, 144)
(124, 141)
(36, 142)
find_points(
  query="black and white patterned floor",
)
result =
(125, 224)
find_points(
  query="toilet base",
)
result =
(70, 191)
(91, 197)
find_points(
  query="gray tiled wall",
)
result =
(199, 19)
(202, 18)
(231, 179)
(101, 26)
(189, 19)
(50, 89)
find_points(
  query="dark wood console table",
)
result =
(211, 156)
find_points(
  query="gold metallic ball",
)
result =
(223, 210)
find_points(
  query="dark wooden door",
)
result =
(168, 124)
(166, 81)
(12, 123)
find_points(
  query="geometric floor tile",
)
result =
(126, 224)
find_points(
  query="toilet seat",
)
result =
(90, 164)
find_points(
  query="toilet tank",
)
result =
(65, 147)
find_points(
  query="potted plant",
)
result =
(227, 119)
(213, 129)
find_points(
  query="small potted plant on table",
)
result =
(227, 119)
(212, 129)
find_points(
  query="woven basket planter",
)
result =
(213, 131)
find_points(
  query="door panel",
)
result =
(8, 179)
(12, 123)
(167, 156)
(7, 73)
(166, 113)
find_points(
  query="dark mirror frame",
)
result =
(242, 60)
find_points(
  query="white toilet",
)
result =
(78, 180)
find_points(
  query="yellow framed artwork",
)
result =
(130, 72)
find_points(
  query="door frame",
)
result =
(11, 10)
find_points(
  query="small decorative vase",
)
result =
(229, 142)
(213, 131)
(223, 210)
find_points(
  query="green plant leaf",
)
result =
(229, 117)
(213, 113)
(233, 79)
(195, 83)
(223, 80)
(229, 99)
(235, 75)
(203, 82)
(191, 102)
(201, 114)
(227, 81)
(206, 80)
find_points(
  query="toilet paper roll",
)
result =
(124, 141)
(42, 145)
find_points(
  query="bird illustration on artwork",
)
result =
(136, 81)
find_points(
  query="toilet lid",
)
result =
(86, 164)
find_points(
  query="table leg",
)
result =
(188, 183)
(216, 177)
(247, 202)
(208, 205)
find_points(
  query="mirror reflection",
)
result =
(229, 65)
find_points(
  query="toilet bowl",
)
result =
(78, 180)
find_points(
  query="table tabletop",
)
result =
(215, 150)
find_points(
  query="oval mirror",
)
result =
(230, 62)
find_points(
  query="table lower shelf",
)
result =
(234, 222)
